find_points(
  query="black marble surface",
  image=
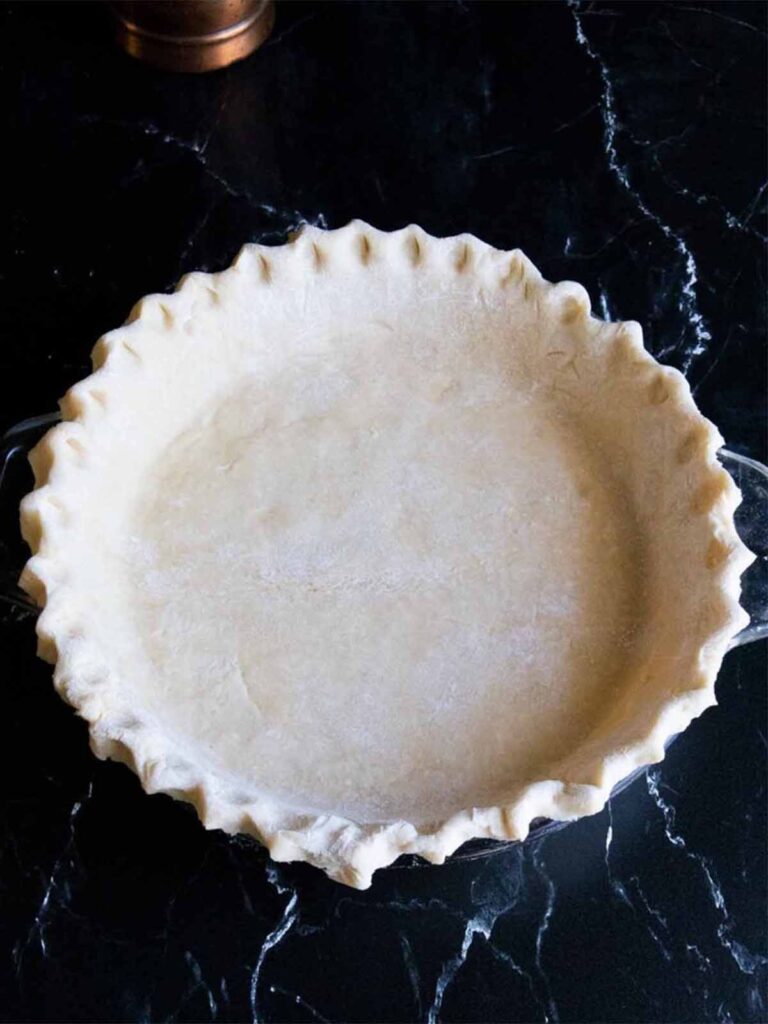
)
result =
(619, 144)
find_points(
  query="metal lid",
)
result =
(192, 35)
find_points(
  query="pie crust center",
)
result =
(413, 582)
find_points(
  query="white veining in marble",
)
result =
(747, 961)
(278, 933)
(612, 128)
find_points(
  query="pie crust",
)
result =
(375, 543)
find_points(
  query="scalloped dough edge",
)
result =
(347, 851)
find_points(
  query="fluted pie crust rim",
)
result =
(363, 258)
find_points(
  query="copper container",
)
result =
(192, 35)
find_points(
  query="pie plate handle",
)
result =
(751, 477)
(14, 483)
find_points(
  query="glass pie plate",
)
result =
(750, 476)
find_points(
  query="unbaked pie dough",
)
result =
(375, 543)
